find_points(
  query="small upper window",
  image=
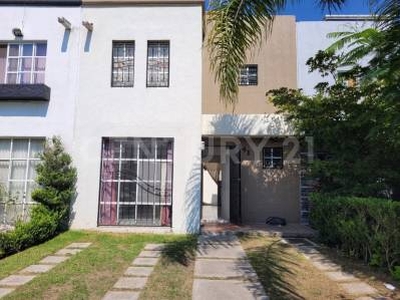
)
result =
(158, 64)
(272, 158)
(22, 63)
(123, 64)
(248, 75)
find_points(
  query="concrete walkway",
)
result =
(348, 282)
(10, 283)
(222, 270)
(129, 285)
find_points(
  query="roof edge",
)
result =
(140, 2)
(40, 3)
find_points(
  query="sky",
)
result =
(308, 10)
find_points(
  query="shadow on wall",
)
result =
(266, 124)
(193, 197)
(24, 109)
(65, 40)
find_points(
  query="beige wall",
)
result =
(270, 192)
(276, 59)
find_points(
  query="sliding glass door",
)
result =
(136, 181)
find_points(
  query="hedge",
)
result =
(364, 228)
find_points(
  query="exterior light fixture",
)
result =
(17, 32)
(64, 22)
(87, 25)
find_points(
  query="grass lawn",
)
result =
(92, 272)
(287, 274)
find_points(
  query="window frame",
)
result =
(25, 199)
(272, 157)
(247, 67)
(112, 63)
(19, 58)
(169, 64)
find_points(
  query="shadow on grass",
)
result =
(275, 268)
(181, 251)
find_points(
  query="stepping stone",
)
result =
(130, 283)
(37, 269)
(223, 269)
(358, 288)
(68, 251)
(16, 280)
(154, 247)
(78, 245)
(325, 265)
(146, 253)
(121, 295)
(227, 289)
(139, 271)
(145, 261)
(220, 251)
(340, 276)
(53, 259)
(5, 291)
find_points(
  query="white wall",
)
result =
(312, 37)
(245, 125)
(44, 119)
(210, 198)
(173, 112)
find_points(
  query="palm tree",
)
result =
(237, 25)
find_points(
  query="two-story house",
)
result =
(120, 82)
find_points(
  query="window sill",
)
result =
(24, 92)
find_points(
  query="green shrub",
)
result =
(365, 228)
(56, 178)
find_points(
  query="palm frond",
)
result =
(237, 25)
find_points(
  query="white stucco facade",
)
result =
(140, 111)
(42, 118)
(312, 37)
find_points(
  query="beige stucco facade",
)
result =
(251, 123)
(276, 60)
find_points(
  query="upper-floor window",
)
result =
(248, 75)
(158, 63)
(22, 63)
(272, 158)
(123, 64)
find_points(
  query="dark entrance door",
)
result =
(235, 188)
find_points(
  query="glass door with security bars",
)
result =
(136, 182)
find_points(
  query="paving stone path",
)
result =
(10, 283)
(128, 286)
(348, 282)
(222, 270)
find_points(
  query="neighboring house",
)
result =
(251, 162)
(38, 85)
(120, 82)
(126, 84)
(312, 37)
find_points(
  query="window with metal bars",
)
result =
(123, 64)
(248, 75)
(18, 160)
(158, 63)
(23, 63)
(136, 182)
(272, 158)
